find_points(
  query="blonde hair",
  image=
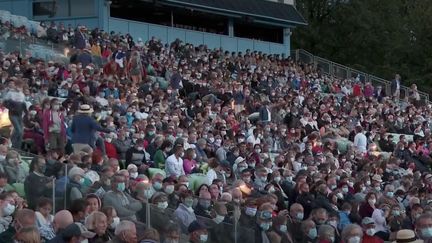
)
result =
(28, 235)
(93, 218)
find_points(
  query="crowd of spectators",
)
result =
(179, 143)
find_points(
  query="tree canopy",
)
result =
(380, 37)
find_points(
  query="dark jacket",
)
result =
(7, 236)
(264, 114)
(84, 128)
(34, 187)
(136, 157)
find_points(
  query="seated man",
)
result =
(125, 205)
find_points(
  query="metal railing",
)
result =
(343, 72)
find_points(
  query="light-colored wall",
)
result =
(17, 7)
(25, 8)
(146, 30)
(169, 34)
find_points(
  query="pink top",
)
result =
(47, 121)
(189, 165)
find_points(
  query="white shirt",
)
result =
(360, 142)
(251, 139)
(102, 101)
(174, 166)
(211, 175)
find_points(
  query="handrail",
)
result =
(341, 71)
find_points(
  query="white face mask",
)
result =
(355, 239)
(162, 205)
(116, 221)
(8, 210)
(219, 219)
(134, 175)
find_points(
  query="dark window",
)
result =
(63, 8)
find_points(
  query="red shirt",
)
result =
(357, 90)
(371, 239)
(110, 150)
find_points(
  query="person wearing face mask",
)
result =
(263, 225)
(204, 205)
(23, 218)
(423, 227)
(136, 155)
(14, 169)
(112, 220)
(218, 225)
(353, 233)
(248, 214)
(326, 234)
(169, 188)
(110, 149)
(369, 230)
(75, 185)
(184, 212)
(308, 231)
(260, 179)
(197, 232)
(159, 214)
(125, 205)
(7, 208)
(54, 130)
(279, 226)
(255, 156)
(388, 196)
(190, 165)
(368, 206)
(37, 184)
(133, 172)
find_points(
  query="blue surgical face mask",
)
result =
(426, 233)
(157, 185)
(312, 233)
(121, 186)
(300, 216)
(265, 226)
(283, 228)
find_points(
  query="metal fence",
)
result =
(343, 72)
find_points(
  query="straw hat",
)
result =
(406, 236)
(85, 109)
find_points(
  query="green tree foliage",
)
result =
(381, 37)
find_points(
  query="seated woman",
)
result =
(14, 170)
(33, 132)
(44, 218)
(112, 220)
(97, 223)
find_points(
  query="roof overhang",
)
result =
(260, 11)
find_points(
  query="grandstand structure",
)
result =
(237, 26)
